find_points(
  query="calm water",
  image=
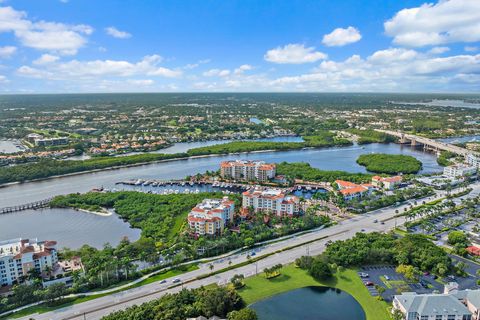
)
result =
(342, 158)
(474, 138)
(444, 103)
(69, 227)
(310, 303)
(9, 146)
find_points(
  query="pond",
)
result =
(312, 303)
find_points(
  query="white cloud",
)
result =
(340, 37)
(141, 82)
(438, 50)
(114, 32)
(79, 70)
(242, 69)
(294, 54)
(3, 79)
(392, 55)
(216, 73)
(470, 49)
(447, 21)
(46, 59)
(7, 51)
(42, 35)
(388, 70)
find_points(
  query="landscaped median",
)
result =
(69, 301)
(258, 287)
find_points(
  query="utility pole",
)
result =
(256, 268)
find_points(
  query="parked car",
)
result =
(386, 277)
(369, 283)
(363, 275)
(426, 273)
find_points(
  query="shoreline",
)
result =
(8, 184)
(102, 214)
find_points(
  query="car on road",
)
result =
(363, 230)
(375, 221)
(382, 222)
(253, 254)
(176, 280)
(163, 281)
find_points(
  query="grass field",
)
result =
(258, 288)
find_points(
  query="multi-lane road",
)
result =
(380, 220)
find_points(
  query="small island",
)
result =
(389, 163)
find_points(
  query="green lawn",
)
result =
(258, 288)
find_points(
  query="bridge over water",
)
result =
(32, 205)
(429, 144)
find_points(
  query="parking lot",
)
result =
(394, 283)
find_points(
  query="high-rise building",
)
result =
(247, 170)
(19, 256)
(211, 216)
(268, 199)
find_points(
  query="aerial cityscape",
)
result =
(240, 160)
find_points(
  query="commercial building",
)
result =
(19, 256)
(211, 216)
(459, 171)
(350, 190)
(272, 200)
(388, 183)
(247, 170)
(453, 304)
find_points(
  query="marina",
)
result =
(335, 158)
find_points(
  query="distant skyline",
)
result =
(76, 46)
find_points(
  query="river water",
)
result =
(73, 228)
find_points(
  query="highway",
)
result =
(95, 309)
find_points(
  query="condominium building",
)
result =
(247, 170)
(473, 160)
(211, 216)
(350, 190)
(459, 171)
(388, 183)
(19, 256)
(451, 305)
(51, 141)
(273, 200)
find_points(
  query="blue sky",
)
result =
(246, 45)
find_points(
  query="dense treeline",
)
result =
(374, 248)
(389, 163)
(371, 136)
(206, 302)
(48, 168)
(320, 139)
(444, 158)
(159, 216)
(302, 170)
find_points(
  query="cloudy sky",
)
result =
(50, 46)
